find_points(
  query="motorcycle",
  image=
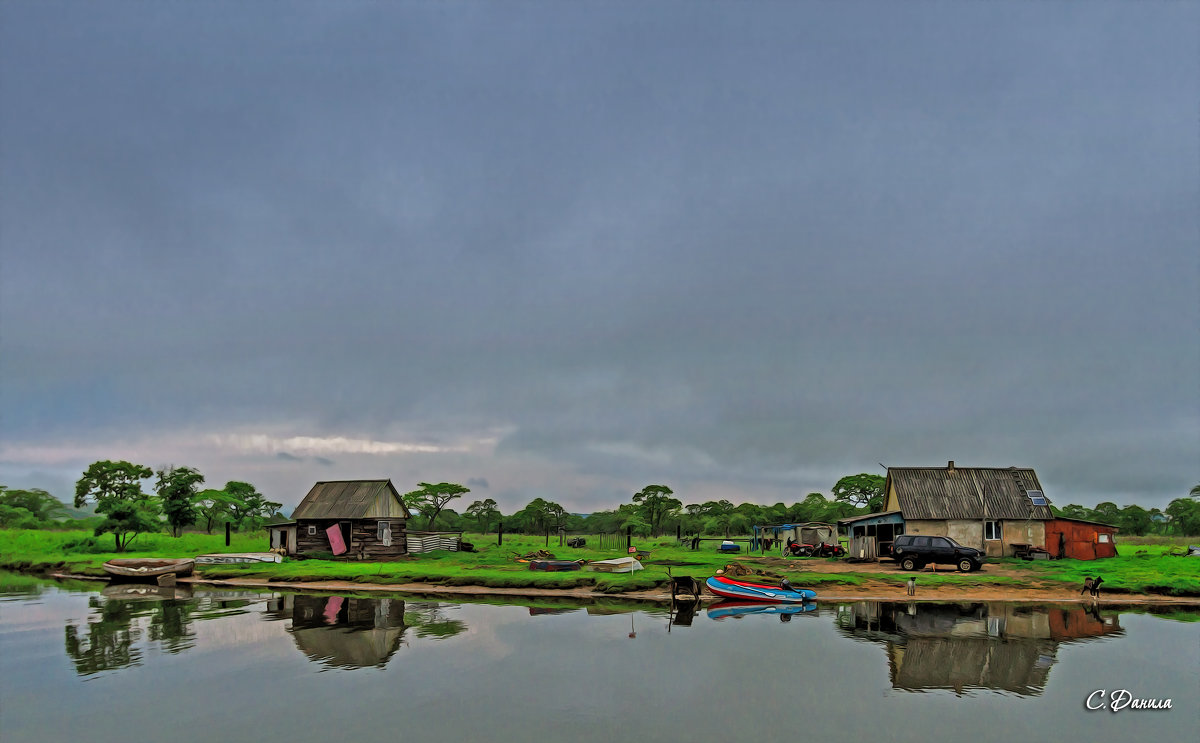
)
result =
(824, 549)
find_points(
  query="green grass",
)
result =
(1137, 569)
(82, 553)
(1140, 569)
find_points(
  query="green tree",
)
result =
(429, 500)
(37, 502)
(1135, 520)
(542, 516)
(860, 491)
(1073, 511)
(211, 507)
(655, 504)
(247, 507)
(484, 512)
(177, 489)
(1107, 513)
(116, 488)
(1185, 516)
(14, 517)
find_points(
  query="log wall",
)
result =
(362, 538)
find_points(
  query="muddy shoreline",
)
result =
(869, 591)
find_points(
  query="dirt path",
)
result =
(868, 590)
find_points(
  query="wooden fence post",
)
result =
(226, 533)
(628, 537)
(500, 533)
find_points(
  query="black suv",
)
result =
(914, 552)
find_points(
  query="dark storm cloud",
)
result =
(697, 243)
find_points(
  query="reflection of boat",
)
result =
(729, 608)
(745, 591)
(145, 592)
(148, 568)
(554, 566)
(233, 558)
(616, 565)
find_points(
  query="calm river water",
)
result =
(78, 663)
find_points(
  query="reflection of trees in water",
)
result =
(430, 621)
(109, 639)
(997, 646)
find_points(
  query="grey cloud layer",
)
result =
(681, 241)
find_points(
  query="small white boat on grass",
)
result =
(616, 565)
(234, 558)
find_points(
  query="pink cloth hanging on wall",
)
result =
(335, 540)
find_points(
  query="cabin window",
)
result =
(991, 530)
(1103, 537)
(382, 528)
(312, 530)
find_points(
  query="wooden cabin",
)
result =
(352, 520)
(1000, 510)
(1080, 539)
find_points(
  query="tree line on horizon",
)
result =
(123, 508)
(178, 502)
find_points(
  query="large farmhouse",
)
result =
(1000, 510)
(352, 520)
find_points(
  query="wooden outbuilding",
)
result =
(1080, 539)
(282, 532)
(872, 535)
(352, 520)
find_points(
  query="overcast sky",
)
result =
(566, 250)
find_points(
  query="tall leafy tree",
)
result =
(861, 491)
(655, 504)
(1135, 520)
(247, 507)
(116, 488)
(211, 507)
(483, 512)
(429, 499)
(1185, 516)
(177, 488)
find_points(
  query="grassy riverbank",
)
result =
(1140, 569)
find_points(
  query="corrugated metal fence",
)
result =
(428, 541)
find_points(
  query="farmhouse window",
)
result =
(1103, 537)
(991, 530)
(312, 530)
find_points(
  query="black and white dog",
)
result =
(1092, 586)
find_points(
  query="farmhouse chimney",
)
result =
(950, 466)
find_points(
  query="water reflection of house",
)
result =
(343, 632)
(997, 646)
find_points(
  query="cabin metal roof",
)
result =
(966, 493)
(346, 499)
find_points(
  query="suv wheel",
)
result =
(910, 563)
(966, 564)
